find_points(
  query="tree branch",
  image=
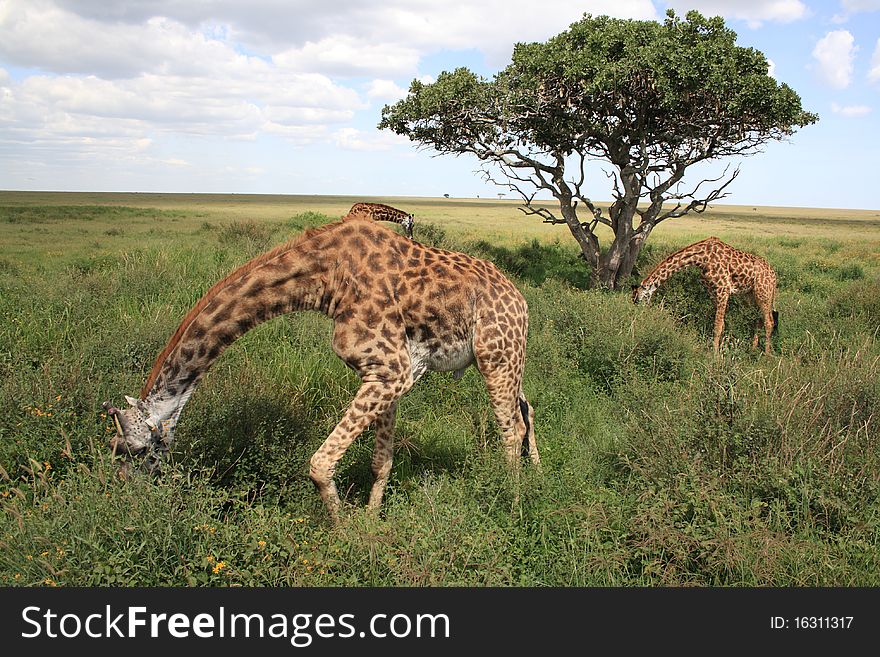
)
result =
(697, 205)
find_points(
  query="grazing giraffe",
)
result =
(726, 271)
(399, 309)
(382, 212)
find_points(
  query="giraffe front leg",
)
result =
(720, 310)
(372, 400)
(383, 456)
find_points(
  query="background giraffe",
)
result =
(382, 212)
(725, 271)
(399, 309)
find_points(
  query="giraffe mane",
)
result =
(672, 255)
(215, 289)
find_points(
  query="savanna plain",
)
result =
(662, 464)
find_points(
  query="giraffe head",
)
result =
(643, 293)
(408, 225)
(138, 439)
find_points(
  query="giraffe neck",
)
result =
(289, 278)
(695, 255)
(382, 212)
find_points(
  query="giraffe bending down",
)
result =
(382, 212)
(399, 309)
(726, 271)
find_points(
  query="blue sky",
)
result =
(283, 98)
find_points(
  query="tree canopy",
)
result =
(651, 99)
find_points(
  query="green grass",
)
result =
(662, 465)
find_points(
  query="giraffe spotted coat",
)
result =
(399, 309)
(725, 271)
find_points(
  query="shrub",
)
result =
(252, 236)
(858, 301)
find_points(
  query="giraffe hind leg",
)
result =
(500, 357)
(770, 321)
(507, 414)
(769, 317)
(514, 414)
(383, 456)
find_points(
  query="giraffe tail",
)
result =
(775, 321)
(528, 415)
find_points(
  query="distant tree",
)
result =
(446, 196)
(650, 99)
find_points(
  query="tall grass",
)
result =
(662, 464)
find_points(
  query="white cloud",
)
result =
(386, 90)
(850, 111)
(126, 38)
(874, 72)
(352, 139)
(113, 73)
(84, 132)
(754, 12)
(125, 82)
(39, 35)
(771, 68)
(270, 27)
(297, 134)
(855, 6)
(139, 82)
(834, 54)
(349, 56)
(851, 7)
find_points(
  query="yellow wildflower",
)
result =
(220, 565)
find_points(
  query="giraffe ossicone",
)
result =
(399, 309)
(725, 271)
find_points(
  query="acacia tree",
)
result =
(649, 99)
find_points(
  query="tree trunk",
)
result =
(617, 264)
(587, 241)
(612, 268)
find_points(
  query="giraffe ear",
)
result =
(131, 401)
